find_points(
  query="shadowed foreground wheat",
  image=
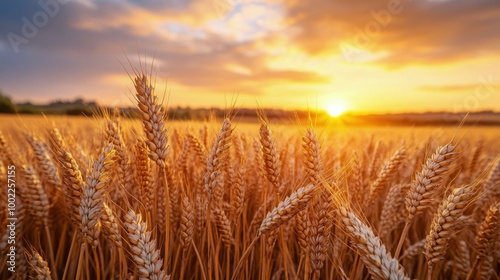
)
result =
(158, 199)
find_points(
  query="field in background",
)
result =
(231, 199)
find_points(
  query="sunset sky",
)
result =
(370, 56)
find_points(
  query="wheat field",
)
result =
(111, 198)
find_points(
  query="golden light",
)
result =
(336, 109)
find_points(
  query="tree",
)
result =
(6, 105)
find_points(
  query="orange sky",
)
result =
(371, 56)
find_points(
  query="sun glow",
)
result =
(336, 109)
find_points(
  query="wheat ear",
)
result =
(393, 211)
(224, 227)
(143, 248)
(197, 147)
(71, 176)
(110, 226)
(270, 156)
(5, 150)
(321, 218)
(187, 224)
(444, 223)
(485, 241)
(386, 175)
(44, 162)
(377, 260)
(144, 173)
(286, 209)
(462, 261)
(39, 202)
(39, 268)
(113, 134)
(425, 185)
(94, 193)
(217, 159)
(153, 120)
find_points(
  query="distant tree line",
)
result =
(79, 107)
(90, 108)
(6, 105)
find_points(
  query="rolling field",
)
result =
(111, 198)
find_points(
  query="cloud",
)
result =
(85, 42)
(459, 87)
(415, 33)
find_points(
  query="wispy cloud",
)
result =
(453, 89)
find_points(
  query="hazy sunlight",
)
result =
(337, 108)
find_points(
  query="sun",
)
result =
(336, 109)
